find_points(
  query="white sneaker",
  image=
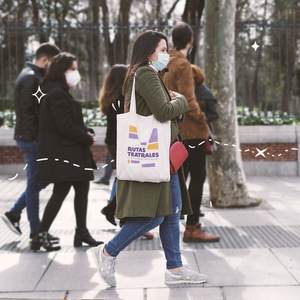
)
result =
(105, 265)
(184, 275)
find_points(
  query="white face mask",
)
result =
(73, 78)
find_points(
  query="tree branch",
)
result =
(158, 6)
(172, 9)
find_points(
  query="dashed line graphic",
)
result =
(14, 177)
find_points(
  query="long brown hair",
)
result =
(112, 87)
(144, 45)
(59, 64)
(198, 75)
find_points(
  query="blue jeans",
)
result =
(30, 198)
(114, 189)
(107, 170)
(168, 229)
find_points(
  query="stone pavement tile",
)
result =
(239, 217)
(33, 295)
(22, 272)
(70, 271)
(288, 217)
(274, 189)
(142, 269)
(235, 267)
(108, 294)
(290, 258)
(186, 293)
(210, 218)
(77, 271)
(263, 293)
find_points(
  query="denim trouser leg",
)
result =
(107, 169)
(30, 198)
(113, 190)
(169, 230)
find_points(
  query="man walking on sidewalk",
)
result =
(26, 134)
(193, 128)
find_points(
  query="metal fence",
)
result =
(267, 80)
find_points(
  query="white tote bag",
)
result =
(143, 145)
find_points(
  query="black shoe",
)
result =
(51, 238)
(102, 182)
(109, 215)
(12, 222)
(83, 236)
(40, 239)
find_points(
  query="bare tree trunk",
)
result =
(117, 53)
(192, 13)
(288, 82)
(255, 82)
(225, 169)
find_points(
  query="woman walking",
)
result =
(111, 103)
(147, 205)
(64, 155)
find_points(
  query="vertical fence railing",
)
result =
(269, 92)
(267, 85)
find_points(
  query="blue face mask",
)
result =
(190, 50)
(162, 61)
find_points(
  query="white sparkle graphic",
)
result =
(25, 167)
(39, 92)
(113, 107)
(192, 147)
(104, 166)
(255, 46)
(260, 152)
(41, 159)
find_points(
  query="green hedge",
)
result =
(93, 117)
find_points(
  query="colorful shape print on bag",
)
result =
(144, 153)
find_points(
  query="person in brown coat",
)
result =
(193, 129)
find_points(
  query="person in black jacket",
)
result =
(26, 134)
(64, 155)
(111, 103)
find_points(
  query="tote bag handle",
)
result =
(132, 100)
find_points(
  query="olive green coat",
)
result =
(137, 199)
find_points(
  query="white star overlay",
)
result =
(260, 152)
(255, 46)
(39, 92)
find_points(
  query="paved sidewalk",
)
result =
(258, 256)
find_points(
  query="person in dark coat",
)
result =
(64, 156)
(26, 135)
(111, 103)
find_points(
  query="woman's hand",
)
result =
(173, 94)
(93, 136)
